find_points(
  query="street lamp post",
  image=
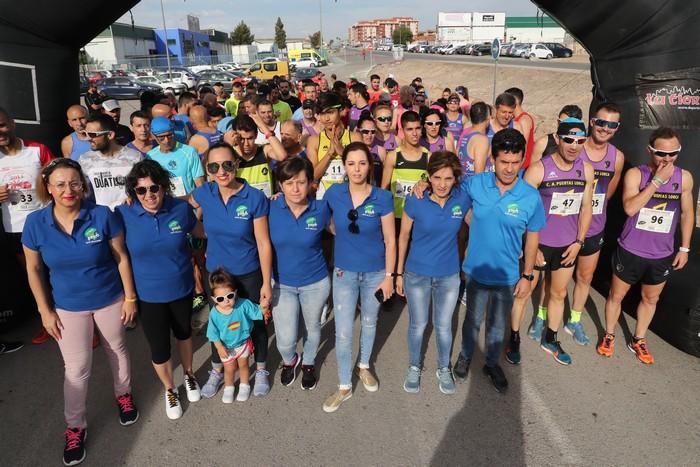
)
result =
(165, 36)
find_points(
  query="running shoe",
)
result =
(211, 387)
(497, 377)
(461, 368)
(446, 381)
(639, 348)
(513, 352)
(308, 377)
(192, 388)
(607, 345)
(368, 380)
(336, 399)
(173, 409)
(243, 392)
(576, 331)
(554, 349)
(227, 395)
(262, 383)
(74, 452)
(198, 302)
(412, 382)
(128, 413)
(288, 373)
(536, 329)
(41, 337)
(9, 347)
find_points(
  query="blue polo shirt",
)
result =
(183, 165)
(296, 242)
(82, 270)
(434, 250)
(497, 227)
(159, 250)
(364, 251)
(231, 238)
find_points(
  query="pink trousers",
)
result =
(76, 349)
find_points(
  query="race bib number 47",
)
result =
(565, 204)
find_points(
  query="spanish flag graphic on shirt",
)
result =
(234, 326)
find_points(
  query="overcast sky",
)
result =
(301, 17)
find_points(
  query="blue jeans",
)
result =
(348, 286)
(286, 302)
(444, 293)
(499, 300)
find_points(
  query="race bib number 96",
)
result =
(655, 220)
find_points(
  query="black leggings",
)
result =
(158, 319)
(249, 287)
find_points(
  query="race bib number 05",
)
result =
(598, 203)
(565, 204)
(655, 220)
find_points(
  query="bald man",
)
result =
(205, 135)
(182, 133)
(76, 143)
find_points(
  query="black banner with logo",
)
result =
(669, 98)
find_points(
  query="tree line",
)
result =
(242, 35)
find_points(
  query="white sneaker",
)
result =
(227, 397)
(243, 392)
(173, 409)
(192, 388)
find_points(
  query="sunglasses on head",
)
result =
(429, 123)
(606, 123)
(141, 190)
(384, 119)
(662, 153)
(95, 134)
(353, 216)
(367, 131)
(572, 140)
(228, 166)
(228, 296)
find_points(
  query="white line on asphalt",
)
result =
(535, 405)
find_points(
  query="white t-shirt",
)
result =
(20, 173)
(107, 175)
(260, 139)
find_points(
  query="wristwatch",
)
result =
(580, 242)
(530, 277)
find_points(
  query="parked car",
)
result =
(163, 82)
(461, 50)
(559, 50)
(184, 77)
(304, 73)
(481, 49)
(305, 63)
(84, 84)
(539, 51)
(122, 87)
(520, 50)
(216, 76)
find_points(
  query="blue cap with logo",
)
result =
(571, 127)
(161, 125)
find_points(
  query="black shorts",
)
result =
(552, 256)
(14, 242)
(632, 269)
(592, 245)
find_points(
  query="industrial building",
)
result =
(380, 30)
(462, 27)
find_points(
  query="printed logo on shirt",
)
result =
(512, 209)
(92, 235)
(369, 210)
(172, 165)
(242, 212)
(457, 212)
(234, 326)
(311, 224)
(174, 226)
(552, 174)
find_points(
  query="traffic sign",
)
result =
(495, 48)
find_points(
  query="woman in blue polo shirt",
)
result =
(156, 227)
(429, 269)
(235, 221)
(90, 286)
(365, 255)
(300, 271)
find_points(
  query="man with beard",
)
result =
(77, 142)
(282, 110)
(112, 108)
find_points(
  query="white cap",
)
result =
(110, 105)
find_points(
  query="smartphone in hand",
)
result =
(379, 295)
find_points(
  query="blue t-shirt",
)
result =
(233, 329)
(183, 165)
(224, 124)
(82, 270)
(296, 242)
(434, 250)
(181, 127)
(497, 227)
(364, 251)
(229, 228)
(159, 249)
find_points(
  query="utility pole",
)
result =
(165, 38)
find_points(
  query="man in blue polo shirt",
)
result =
(504, 208)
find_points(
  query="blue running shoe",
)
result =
(554, 348)
(513, 353)
(536, 329)
(576, 331)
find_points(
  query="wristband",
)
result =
(684, 249)
(657, 181)
(398, 274)
(131, 300)
(389, 274)
(269, 135)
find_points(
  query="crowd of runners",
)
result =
(290, 204)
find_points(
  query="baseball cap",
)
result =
(110, 105)
(385, 98)
(309, 104)
(161, 125)
(571, 127)
(264, 90)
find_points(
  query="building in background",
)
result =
(463, 28)
(380, 30)
(428, 36)
(219, 45)
(534, 29)
(185, 47)
(454, 27)
(488, 26)
(193, 23)
(120, 43)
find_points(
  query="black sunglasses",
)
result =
(660, 153)
(141, 190)
(228, 166)
(353, 216)
(572, 140)
(384, 119)
(221, 298)
(606, 123)
(367, 131)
